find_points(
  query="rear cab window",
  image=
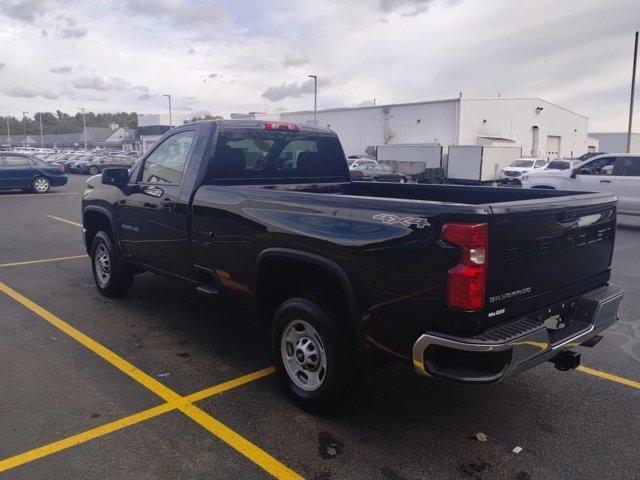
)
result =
(273, 155)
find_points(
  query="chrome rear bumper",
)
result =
(515, 347)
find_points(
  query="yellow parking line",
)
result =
(125, 422)
(70, 222)
(46, 260)
(608, 376)
(224, 433)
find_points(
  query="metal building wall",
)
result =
(616, 142)
(428, 122)
(515, 119)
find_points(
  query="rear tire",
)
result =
(112, 278)
(93, 170)
(40, 185)
(314, 359)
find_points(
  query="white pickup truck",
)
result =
(618, 173)
(521, 166)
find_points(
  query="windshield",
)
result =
(558, 165)
(522, 163)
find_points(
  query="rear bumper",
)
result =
(516, 346)
(58, 180)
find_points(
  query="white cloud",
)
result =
(60, 70)
(276, 93)
(23, 92)
(100, 83)
(576, 54)
(295, 60)
(24, 10)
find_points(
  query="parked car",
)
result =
(26, 172)
(72, 164)
(355, 161)
(617, 173)
(519, 167)
(96, 165)
(377, 173)
(464, 284)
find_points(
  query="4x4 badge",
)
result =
(390, 219)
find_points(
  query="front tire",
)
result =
(93, 170)
(112, 278)
(314, 359)
(40, 185)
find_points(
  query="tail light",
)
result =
(357, 173)
(290, 127)
(61, 168)
(466, 282)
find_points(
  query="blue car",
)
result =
(25, 172)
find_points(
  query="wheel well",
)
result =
(280, 278)
(93, 223)
(544, 187)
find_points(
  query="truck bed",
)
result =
(451, 194)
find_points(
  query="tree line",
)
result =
(61, 122)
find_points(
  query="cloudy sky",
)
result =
(239, 56)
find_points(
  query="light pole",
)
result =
(84, 127)
(633, 88)
(41, 135)
(24, 121)
(170, 121)
(315, 99)
(8, 132)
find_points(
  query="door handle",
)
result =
(605, 181)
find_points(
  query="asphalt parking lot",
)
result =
(163, 384)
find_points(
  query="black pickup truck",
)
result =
(466, 284)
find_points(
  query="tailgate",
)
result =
(542, 252)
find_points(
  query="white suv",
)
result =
(514, 172)
(612, 172)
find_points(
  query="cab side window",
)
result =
(166, 163)
(627, 167)
(600, 166)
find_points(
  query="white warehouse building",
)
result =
(541, 128)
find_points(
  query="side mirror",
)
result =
(574, 172)
(117, 176)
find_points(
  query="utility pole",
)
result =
(633, 88)
(170, 120)
(315, 99)
(84, 127)
(41, 135)
(8, 132)
(24, 121)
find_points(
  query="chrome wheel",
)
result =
(93, 170)
(41, 185)
(403, 180)
(303, 355)
(102, 264)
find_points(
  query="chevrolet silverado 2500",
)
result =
(464, 284)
